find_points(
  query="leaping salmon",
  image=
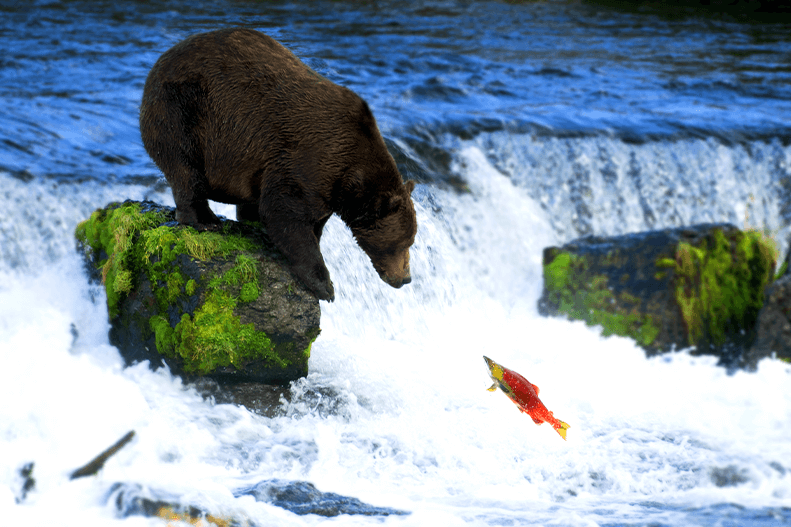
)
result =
(524, 395)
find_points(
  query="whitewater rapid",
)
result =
(395, 410)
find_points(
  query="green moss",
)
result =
(244, 271)
(175, 283)
(112, 230)
(306, 353)
(666, 263)
(720, 285)
(639, 327)
(556, 273)
(163, 245)
(214, 337)
(585, 296)
(249, 292)
(164, 335)
(782, 270)
(168, 242)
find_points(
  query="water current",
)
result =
(526, 125)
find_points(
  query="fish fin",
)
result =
(492, 388)
(562, 429)
(535, 387)
(536, 421)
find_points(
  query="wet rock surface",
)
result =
(263, 399)
(773, 334)
(301, 497)
(26, 483)
(131, 499)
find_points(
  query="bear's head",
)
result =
(388, 235)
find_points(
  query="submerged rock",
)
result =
(134, 500)
(700, 286)
(301, 497)
(263, 399)
(26, 482)
(221, 303)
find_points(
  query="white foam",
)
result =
(602, 185)
(395, 411)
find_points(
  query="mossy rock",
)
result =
(700, 286)
(221, 303)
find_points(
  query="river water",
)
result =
(527, 125)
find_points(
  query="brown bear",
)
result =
(233, 116)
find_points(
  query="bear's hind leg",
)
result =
(247, 212)
(192, 208)
(169, 117)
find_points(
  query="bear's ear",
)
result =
(410, 186)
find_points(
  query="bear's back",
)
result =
(242, 71)
(249, 105)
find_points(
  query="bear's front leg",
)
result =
(297, 241)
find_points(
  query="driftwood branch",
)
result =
(98, 462)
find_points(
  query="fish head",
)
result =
(496, 372)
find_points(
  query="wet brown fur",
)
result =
(233, 116)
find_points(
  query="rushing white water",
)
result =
(395, 410)
(597, 185)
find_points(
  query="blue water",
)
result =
(72, 72)
(526, 125)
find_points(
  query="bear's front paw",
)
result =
(326, 292)
(318, 281)
(322, 288)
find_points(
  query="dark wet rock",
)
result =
(263, 399)
(27, 483)
(221, 303)
(301, 497)
(774, 324)
(778, 467)
(700, 286)
(134, 500)
(729, 476)
(296, 400)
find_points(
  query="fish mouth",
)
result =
(495, 370)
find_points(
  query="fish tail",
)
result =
(562, 429)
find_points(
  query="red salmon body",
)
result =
(524, 394)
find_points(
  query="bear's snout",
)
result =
(398, 278)
(398, 281)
